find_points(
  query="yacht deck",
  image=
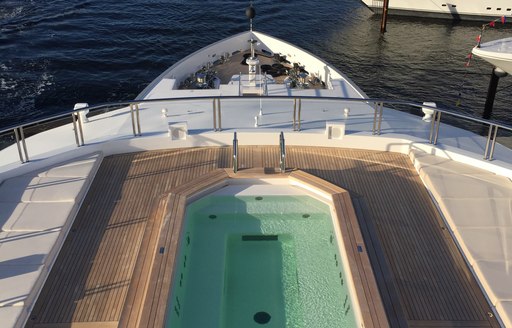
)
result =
(423, 279)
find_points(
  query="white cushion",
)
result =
(483, 212)
(16, 282)
(41, 189)
(495, 276)
(9, 315)
(458, 186)
(77, 168)
(34, 216)
(505, 311)
(26, 248)
(487, 243)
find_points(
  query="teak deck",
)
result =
(95, 282)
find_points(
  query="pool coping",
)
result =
(150, 286)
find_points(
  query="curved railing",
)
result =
(377, 104)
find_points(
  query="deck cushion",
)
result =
(34, 216)
(505, 310)
(460, 186)
(10, 315)
(464, 212)
(16, 283)
(495, 276)
(77, 168)
(486, 243)
(26, 248)
(41, 189)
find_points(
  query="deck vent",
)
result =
(178, 131)
(335, 130)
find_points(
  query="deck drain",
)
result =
(258, 198)
(262, 317)
(305, 216)
(212, 216)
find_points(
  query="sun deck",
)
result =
(422, 277)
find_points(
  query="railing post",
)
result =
(282, 157)
(300, 109)
(134, 112)
(214, 104)
(235, 153)
(491, 141)
(434, 127)
(77, 127)
(219, 114)
(20, 138)
(240, 84)
(294, 113)
(377, 117)
(138, 119)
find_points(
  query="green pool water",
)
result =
(267, 261)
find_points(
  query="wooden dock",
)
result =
(422, 277)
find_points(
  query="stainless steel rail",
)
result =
(282, 152)
(235, 153)
(378, 105)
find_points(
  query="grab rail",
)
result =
(282, 153)
(235, 153)
(378, 105)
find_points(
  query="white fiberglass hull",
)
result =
(455, 9)
(498, 53)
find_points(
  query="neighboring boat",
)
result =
(456, 9)
(497, 52)
(90, 209)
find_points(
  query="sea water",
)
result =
(246, 261)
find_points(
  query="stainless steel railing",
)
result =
(235, 153)
(377, 104)
(282, 153)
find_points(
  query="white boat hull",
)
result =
(498, 53)
(455, 9)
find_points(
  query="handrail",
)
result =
(235, 153)
(126, 103)
(282, 153)
(378, 104)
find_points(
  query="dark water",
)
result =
(55, 53)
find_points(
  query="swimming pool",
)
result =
(253, 260)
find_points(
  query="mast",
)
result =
(252, 61)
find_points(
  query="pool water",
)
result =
(259, 261)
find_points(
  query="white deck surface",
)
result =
(36, 212)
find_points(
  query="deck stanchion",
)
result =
(75, 128)
(133, 120)
(298, 118)
(374, 118)
(377, 117)
(437, 127)
(17, 136)
(219, 114)
(491, 142)
(294, 113)
(139, 133)
(282, 158)
(214, 104)
(381, 109)
(235, 153)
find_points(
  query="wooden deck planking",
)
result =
(418, 264)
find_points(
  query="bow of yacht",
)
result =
(497, 52)
(250, 90)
